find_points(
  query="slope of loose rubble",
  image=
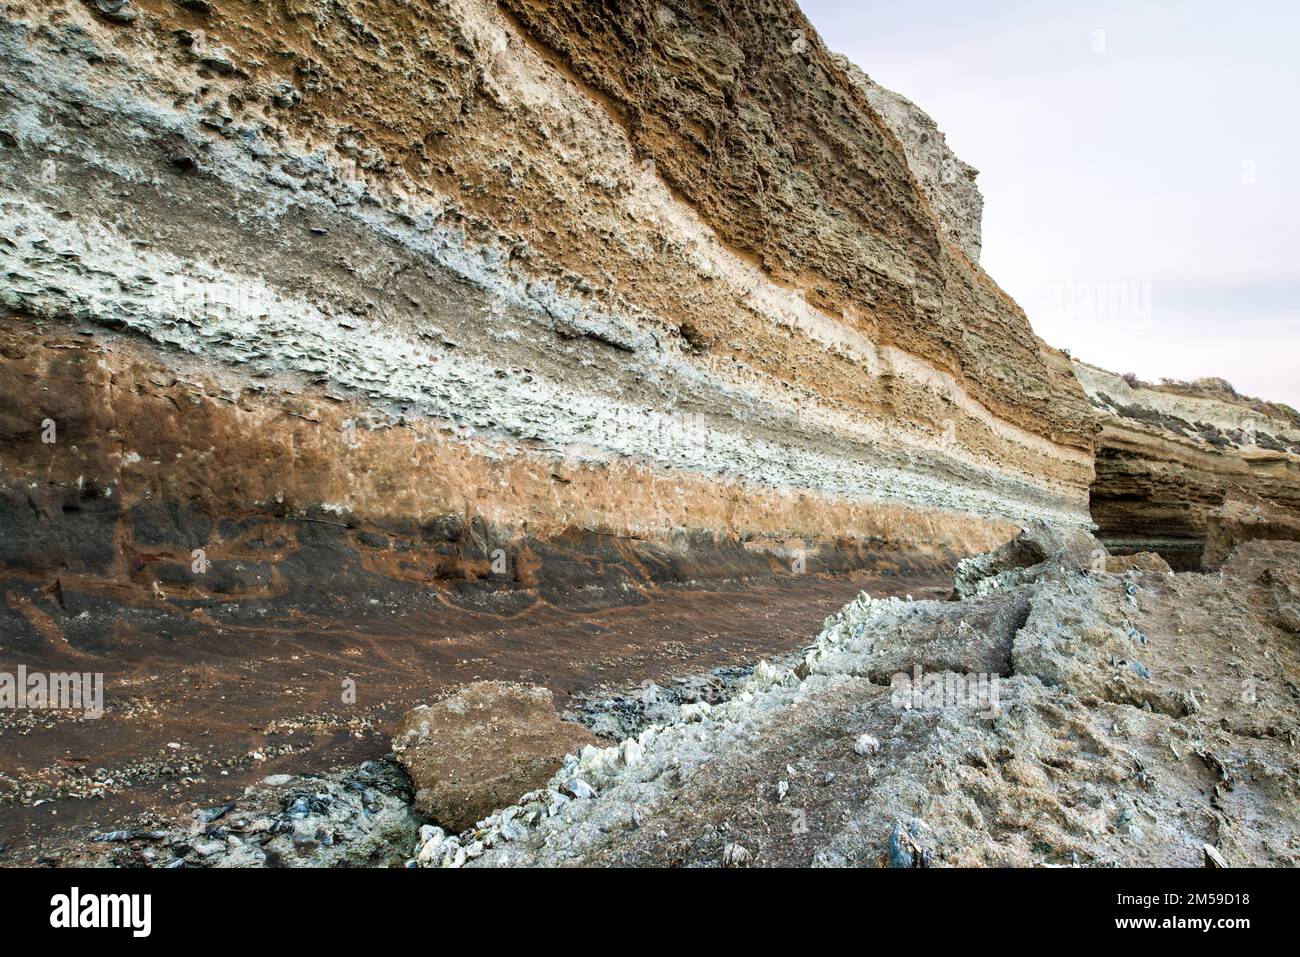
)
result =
(358, 817)
(1138, 717)
(1127, 717)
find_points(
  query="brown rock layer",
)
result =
(748, 117)
(176, 485)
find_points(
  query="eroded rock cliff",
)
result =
(1189, 470)
(413, 343)
(542, 297)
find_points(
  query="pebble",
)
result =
(116, 837)
(580, 789)
(428, 852)
(214, 813)
(510, 829)
(734, 855)
(216, 60)
(287, 96)
(900, 852)
(117, 11)
(866, 744)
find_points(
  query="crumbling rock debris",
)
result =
(1076, 762)
(1037, 547)
(622, 714)
(358, 817)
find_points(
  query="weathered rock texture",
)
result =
(948, 182)
(634, 295)
(1188, 470)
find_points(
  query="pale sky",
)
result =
(1140, 164)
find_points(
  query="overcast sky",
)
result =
(1140, 164)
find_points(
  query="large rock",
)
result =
(1139, 561)
(483, 747)
(1038, 548)
(1246, 518)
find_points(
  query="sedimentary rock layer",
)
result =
(452, 277)
(1191, 469)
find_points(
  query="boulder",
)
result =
(481, 748)
(1142, 561)
(1246, 518)
(1040, 547)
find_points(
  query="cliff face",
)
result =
(650, 291)
(947, 181)
(1191, 469)
(408, 342)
